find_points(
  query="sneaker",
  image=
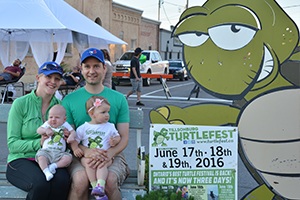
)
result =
(98, 191)
(139, 103)
(101, 198)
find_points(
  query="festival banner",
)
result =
(198, 160)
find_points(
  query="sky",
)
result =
(171, 10)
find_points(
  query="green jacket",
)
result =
(24, 118)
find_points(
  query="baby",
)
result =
(53, 153)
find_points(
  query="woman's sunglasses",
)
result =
(53, 67)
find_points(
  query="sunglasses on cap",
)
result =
(50, 67)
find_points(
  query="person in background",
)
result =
(92, 69)
(27, 113)
(11, 71)
(107, 79)
(72, 78)
(135, 76)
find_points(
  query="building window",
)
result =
(133, 44)
(98, 21)
(121, 35)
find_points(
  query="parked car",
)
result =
(153, 65)
(176, 67)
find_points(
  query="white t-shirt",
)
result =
(95, 135)
(56, 141)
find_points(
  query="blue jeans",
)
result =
(6, 76)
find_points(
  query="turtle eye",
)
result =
(193, 39)
(232, 36)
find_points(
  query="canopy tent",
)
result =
(39, 23)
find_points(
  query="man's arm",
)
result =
(73, 77)
(15, 74)
(135, 74)
(123, 129)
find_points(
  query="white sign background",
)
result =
(193, 152)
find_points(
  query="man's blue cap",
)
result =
(50, 68)
(92, 52)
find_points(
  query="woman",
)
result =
(107, 76)
(25, 116)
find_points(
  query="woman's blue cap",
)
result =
(50, 68)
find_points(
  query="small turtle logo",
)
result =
(93, 143)
(159, 138)
(56, 137)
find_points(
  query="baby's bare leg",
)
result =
(43, 162)
(102, 173)
(64, 161)
(91, 173)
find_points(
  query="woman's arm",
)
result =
(15, 138)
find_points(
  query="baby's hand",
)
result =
(113, 141)
(66, 133)
(49, 132)
(78, 153)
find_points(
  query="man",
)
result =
(11, 71)
(72, 78)
(135, 76)
(92, 68)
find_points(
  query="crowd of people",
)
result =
(92, 122)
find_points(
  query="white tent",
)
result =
(39, 23)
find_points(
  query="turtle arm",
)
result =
(202, 114)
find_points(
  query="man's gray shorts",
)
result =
(6, 76)
(119, 166)
(136, 85)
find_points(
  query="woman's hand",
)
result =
(43, 138)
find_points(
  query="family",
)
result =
(58, 149)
